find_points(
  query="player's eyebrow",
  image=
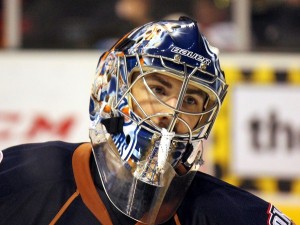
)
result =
(198, 92)
(161, 80)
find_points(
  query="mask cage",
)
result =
(145, 64)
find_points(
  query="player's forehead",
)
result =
(165, 80)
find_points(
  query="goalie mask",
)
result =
(155, 97)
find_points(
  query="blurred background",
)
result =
(49, 50)
(253, 25)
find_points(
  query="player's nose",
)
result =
(168, 112)
(172, 101)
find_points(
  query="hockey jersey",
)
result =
(39, 185)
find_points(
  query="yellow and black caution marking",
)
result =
(220, 153)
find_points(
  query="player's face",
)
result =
(167, 89)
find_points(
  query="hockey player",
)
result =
(154, 99)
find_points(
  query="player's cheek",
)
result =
(192, 120)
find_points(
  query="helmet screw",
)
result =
(203, 66)
(177, 58)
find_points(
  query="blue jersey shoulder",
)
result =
(213, 201)
(32, 164)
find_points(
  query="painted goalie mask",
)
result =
(155, 97)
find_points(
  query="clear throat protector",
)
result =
(149, 191)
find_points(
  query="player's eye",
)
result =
(158, 90)
(190, 100)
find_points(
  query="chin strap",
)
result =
(113, 125)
